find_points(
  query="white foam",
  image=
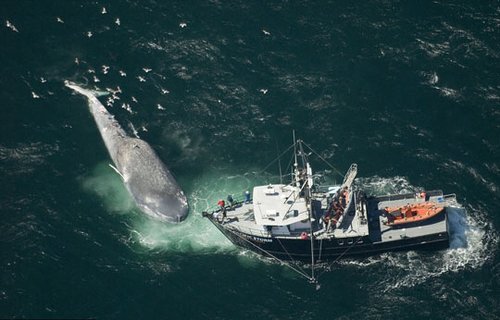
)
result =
(195, 235)
(472, 243)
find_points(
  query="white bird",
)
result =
(9, 25)
(263, 91)
(141, 79)
(77, 61)
(105, 69)
(134, 99)
(35, 96)
(182, 24)
(59, 20)
(164, 91)
(434, 78)
(267, 33)
(96, 79)
(143, 128)
(104, 10)
(122, 73)
(117, 21)
(43, 80)
(110, 102)
(160, 107)
(91, 71)
(126, 106)
(146, 70)
(89, 34)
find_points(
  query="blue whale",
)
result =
(149, 182)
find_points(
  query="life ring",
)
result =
(303, 236)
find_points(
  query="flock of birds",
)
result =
(114, 94)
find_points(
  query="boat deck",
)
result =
(364, 217)
(380, 232)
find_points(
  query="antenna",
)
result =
(295, 164)
(279, 161)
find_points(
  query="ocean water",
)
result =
(409, 90)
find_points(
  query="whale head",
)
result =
(166, 207)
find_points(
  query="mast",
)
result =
(308, 181)
(295, 164)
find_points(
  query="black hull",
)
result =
(292, 249)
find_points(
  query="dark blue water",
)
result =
(408, 90)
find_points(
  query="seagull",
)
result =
(146, 70)
(164, 91)
(141, 79)
(9, 25)
(264, 91)
(134, 99)
(59, 20)
(96, 79)
(104, 10)
(434, 79)
(126, 106)
(160, 107)
(89, 34)
(143, 128)
(267, 33)
(117, 21)
(77, 61)
(182, 24)
(43, 80)
(122, 73)
(105, 69)
(35, 96)
(91, 71)
(110, 102)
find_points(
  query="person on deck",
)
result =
(230, 200)
(222, 205)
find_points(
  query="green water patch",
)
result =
(108, 186)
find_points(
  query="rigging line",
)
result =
(328, 163)
(279, 162)
(339, 257)
(295, 198)
(271, 255)
(320, 249)
(294, 262)
(277, 158)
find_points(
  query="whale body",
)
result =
(149, 182)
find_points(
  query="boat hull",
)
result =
(296, 249)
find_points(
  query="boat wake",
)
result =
(472, 238)
(472, 243)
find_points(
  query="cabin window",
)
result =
(341, 242)
(349, 241)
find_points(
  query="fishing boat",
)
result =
(303, 221)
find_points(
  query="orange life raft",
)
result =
(412, 213)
